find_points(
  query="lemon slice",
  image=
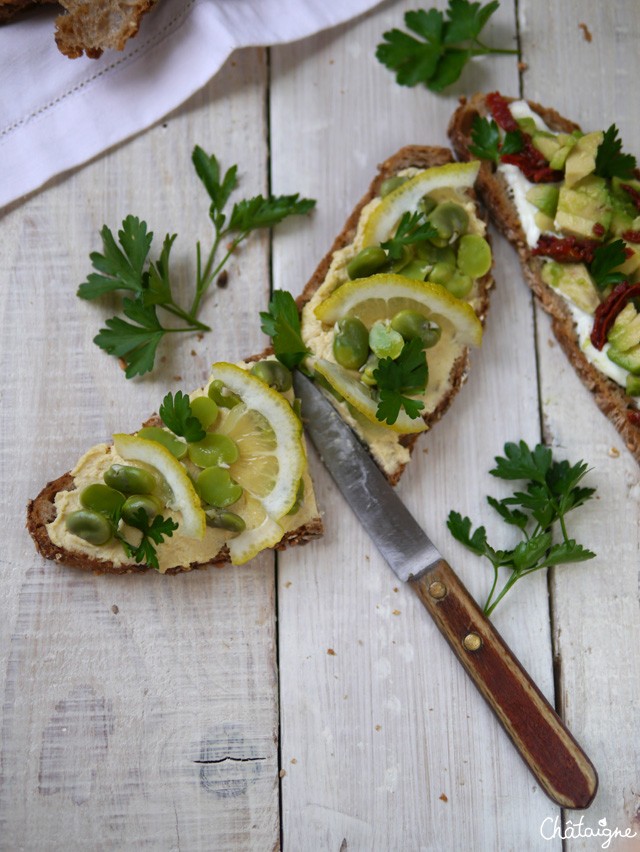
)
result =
(357, 394)
(184, 498)
(383, 296)
(271, 458)
(262, 531)
(388, 213)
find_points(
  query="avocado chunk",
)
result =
(629, 360)
(633, 385)
(625, 331)
(546, 143)
(544, 196)
(583, 206)
(582, 158)
(632, 264)
(574, 282)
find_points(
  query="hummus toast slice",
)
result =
(569, 202)
(410, 270)
(215, 478)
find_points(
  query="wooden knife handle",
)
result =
(554, 757)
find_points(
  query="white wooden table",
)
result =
(305, 700)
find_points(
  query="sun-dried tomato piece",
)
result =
(634, 417)
(631, 236)
(607, 312)
(633, 194)
(529, 160)
(566, 249)
(598, 230)
(499, 108)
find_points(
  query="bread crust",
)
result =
(42, 511)
(493, 190)
(422, 157)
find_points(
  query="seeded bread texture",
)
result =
(89, 27)
(493, 190)
(412, 156)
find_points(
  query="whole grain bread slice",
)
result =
(42, 511)
(494, 192)
(411, 156)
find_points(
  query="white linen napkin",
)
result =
(57, 113)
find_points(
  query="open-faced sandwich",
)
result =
(569, 202)
(217, 477)
(391, 311)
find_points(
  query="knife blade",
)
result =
(545, 744)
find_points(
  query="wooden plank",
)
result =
(595, 605)
(385, 743)
(137, 711)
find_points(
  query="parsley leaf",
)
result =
(605, 259)
(552, 490)
(282, 324)
(610, 161)
(175, 413)
(119, 268)
(135, 342)
(125, 265)
(410, 230)
(486, 138)
(442, 47)
(407, 374)
(152, 533)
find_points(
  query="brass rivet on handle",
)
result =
(437, 590)
(472, 641)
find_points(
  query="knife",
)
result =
(554, 757)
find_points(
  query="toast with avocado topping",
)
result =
(569, 202)
(215, 477)
(389, 315)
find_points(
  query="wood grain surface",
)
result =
(307, 701)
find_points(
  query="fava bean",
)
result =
(176, 447)
(93, 527)
(129, 479)
(450, 220)
(216, 488)
(416, 269)
(389, 184)
(411, 324)
(441, 273)
(133, 505)
(459, 285)
(225, 520)
(384, 341)
(474, 256)
(205, 410)
(221, 395)
(350, 343)
(101, 498)
(427, 204)
(368, 370)
(367, 262)
(274, 374)
(213, 449)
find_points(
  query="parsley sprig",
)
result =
(125, 265)
(485, 136)
(610, 161)
(443, 47)
(152, 533)
(551, 491)
(175, 413)
(407, 374)
(605, 259)
(282, 324)
(412, 228)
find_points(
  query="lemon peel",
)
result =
(382, 296)
(387, 214)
